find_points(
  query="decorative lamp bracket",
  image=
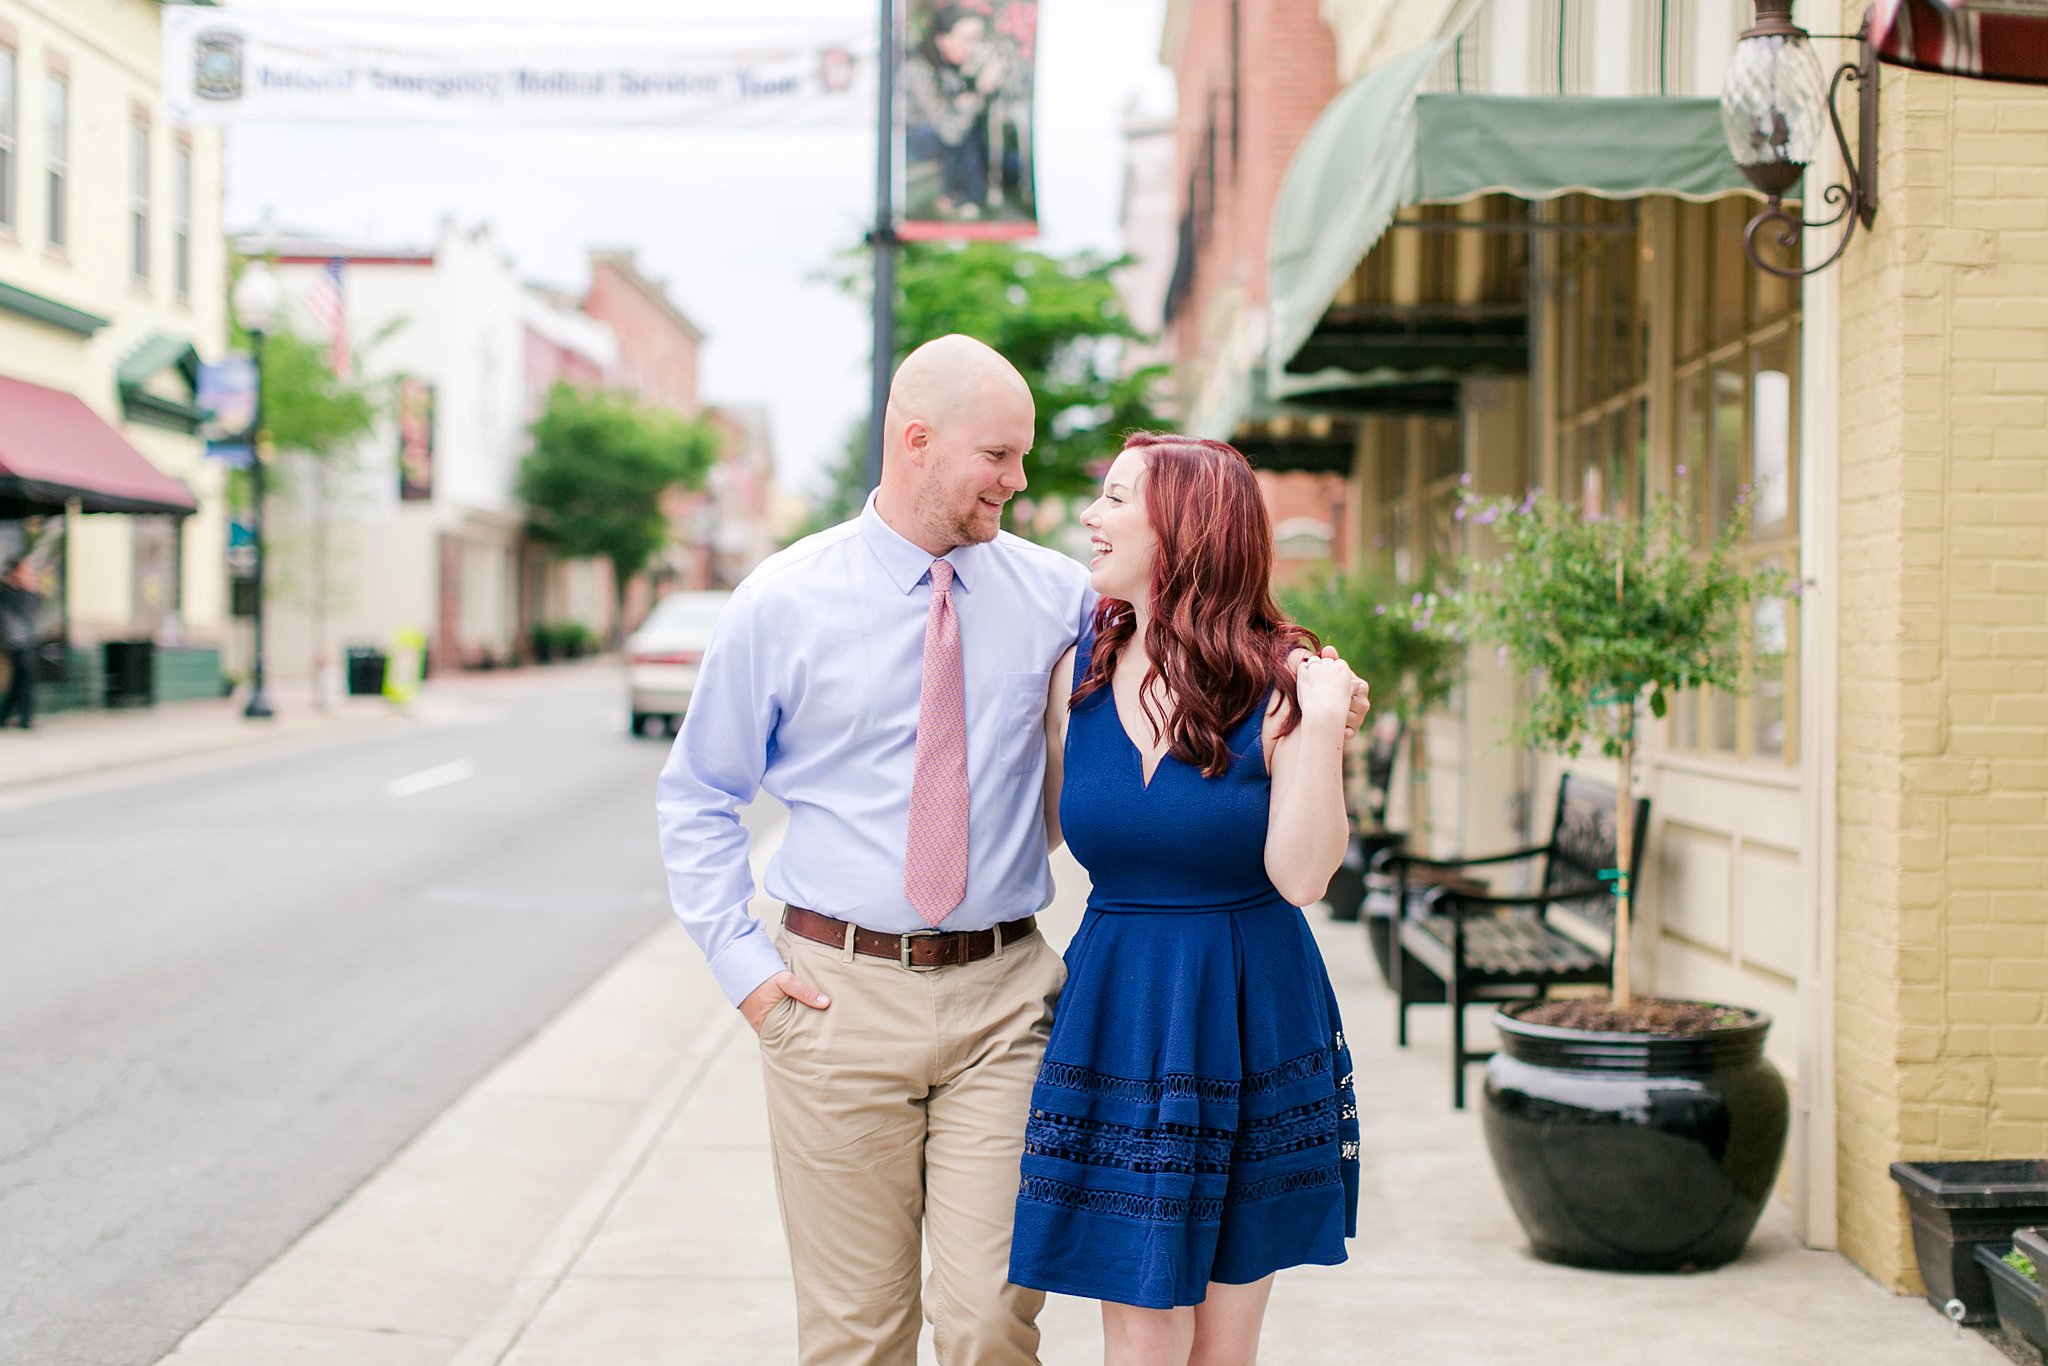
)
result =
(1855, 200)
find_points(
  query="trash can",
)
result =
(365, 671)
(130, 671)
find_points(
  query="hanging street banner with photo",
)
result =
(415, 440)
(967, 84)
(249, 67)
(226, 393)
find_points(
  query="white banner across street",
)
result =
(229, 66)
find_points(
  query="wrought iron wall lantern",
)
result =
(1772, 107)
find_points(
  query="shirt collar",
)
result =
(907, 563)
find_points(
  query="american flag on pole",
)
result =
(324, 304)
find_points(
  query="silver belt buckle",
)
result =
(903, 950)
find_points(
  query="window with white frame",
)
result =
(56, 157)
(1730, 382)
(138, 199)
(9, 122)
(181, 219)
(1736, 406)
(1602, 364)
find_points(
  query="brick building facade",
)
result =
(1941, 554)
(1252, 76)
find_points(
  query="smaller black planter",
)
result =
(1635, 1152)
(2033, 1242)
(1350, 886)
(1956, 1206)
(2022, 1316)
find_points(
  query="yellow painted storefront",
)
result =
(112, 281)
(1859, 847)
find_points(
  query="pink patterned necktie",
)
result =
(935, 852)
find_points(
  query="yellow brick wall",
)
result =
(1942, 948)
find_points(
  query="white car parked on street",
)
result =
(663, 656)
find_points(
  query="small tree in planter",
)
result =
(1612, 615)
(1609, 617)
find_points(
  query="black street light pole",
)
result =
(883, 239)
(259, 705)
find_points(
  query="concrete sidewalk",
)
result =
(71, 748)
(603, 1198)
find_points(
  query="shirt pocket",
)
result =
(1020, 707)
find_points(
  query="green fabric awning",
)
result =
(1386, 143)
(159, 354)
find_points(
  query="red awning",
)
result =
(1994, 40)
(54, 450)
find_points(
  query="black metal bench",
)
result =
(1475, 945)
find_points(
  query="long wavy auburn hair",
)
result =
(1218, 642)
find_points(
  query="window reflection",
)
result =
(1771, 439)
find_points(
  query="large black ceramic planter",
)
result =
(1635, 1152)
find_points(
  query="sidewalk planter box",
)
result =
(130, 671)
(1635, 1152)
(1957, 1205)
(2022, 1316)
(187, 672)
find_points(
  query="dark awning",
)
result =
(2005, 42)
(54, 450)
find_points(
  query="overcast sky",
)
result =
(737, 223)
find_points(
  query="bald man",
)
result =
(904, 1003)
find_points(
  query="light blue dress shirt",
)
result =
(809, 690)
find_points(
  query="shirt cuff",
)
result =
(746, 962)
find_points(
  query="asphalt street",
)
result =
(227, 998)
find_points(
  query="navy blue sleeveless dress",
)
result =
(1193, 1120)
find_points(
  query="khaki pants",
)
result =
(901, 1108)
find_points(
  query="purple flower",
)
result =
(1488, 517)
(1682, 471)
(1459, 515)
(1380, 610)
(1415, 601)
(1465, 480)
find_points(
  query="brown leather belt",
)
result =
(920, 950)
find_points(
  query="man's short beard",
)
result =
(956, 528)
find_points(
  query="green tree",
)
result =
(593, 482)
(314, 422)
(1610, 615)
(306, 408)
(1059, 320)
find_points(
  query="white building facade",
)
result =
(419, 528)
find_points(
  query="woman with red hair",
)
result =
(1193, 1129)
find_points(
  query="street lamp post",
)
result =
(256, 302)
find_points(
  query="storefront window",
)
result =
(1736, 436)
(1604, 407)
(1420, 464)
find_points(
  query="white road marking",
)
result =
(427, 779)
